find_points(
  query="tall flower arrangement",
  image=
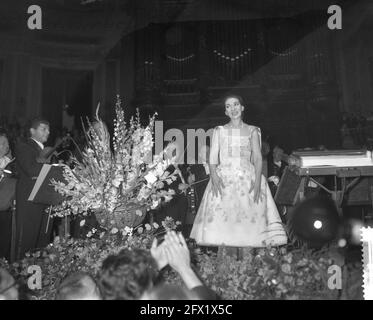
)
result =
(114, 182)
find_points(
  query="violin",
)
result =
(47, 153)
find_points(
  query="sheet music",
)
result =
(39, 181)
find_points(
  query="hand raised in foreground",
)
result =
(177, 251)
(158, 253)
(178, 257)
(173, 251)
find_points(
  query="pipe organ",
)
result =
(281, 66)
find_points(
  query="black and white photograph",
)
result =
(208, 151)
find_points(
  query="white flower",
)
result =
(154, 204)
(89, 234)
(286, 268)
(159, 169)
(155, 225)
(128, 230)
(274, 179)
(116, 182)
(167, 198)
(82, 223)
(138, 212)
(148, 227)
(150, 178)
(113, 191)
(140, 230)
(131, 175)
(114, 230)
(288, 258)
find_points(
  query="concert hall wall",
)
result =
(283, 68)
(295, 75)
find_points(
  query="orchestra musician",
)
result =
(7, 195)
(32, 220)
(276, 166)
(5, 152)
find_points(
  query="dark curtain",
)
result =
(60, 87)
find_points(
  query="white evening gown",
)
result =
(233, 219)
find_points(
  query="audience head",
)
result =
(78, 286)
(8, 286)
(128, 275)
(39, 130)
(169, 292)
(277, 153)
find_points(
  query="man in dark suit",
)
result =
(7, 194)
(31, 217)
(276, 167)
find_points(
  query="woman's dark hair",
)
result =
(169, 292)
(75, 286)
(127, 275)
(238, 97)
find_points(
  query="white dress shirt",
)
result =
(39, 143)
(277, 163)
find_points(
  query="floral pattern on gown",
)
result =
(234, 219)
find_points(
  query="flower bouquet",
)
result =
(119, 183)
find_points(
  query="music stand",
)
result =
(43, 192)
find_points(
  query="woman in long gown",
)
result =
(237, 209)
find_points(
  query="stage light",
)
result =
(317, 224)
(314, 221)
